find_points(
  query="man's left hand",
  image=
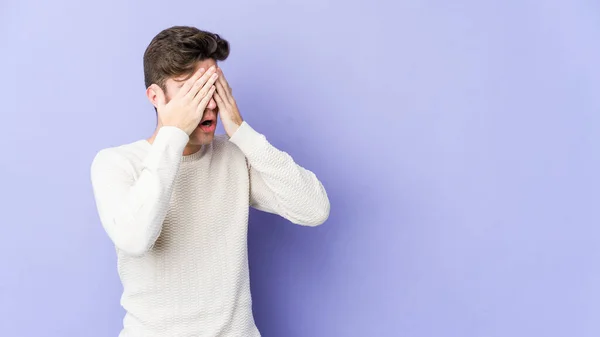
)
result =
(228, 110)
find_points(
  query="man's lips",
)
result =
(208, 125)
(208, 119)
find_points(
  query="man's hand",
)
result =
(228, 110)
(185, 110)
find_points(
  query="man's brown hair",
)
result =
(175, 51)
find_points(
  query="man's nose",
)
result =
(212, 104)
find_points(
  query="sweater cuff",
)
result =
(172, 136)
(247, 139)
(169, 143)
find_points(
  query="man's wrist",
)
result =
(247, 139)
(233, 127)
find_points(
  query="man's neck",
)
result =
(191, 149)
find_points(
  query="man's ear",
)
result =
(155, 95)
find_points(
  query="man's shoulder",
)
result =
(118, 155)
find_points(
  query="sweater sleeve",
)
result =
(277, 184)
(133, 207)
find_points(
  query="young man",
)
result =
(176, 205)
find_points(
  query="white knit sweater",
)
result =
(179, 224)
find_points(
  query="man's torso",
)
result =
(194, 281)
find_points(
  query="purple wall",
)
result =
(459, 142)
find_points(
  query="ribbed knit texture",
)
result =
(179, 225)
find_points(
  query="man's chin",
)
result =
(201, 138)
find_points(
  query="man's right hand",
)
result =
(186, 108)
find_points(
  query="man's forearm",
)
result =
(132, 209)
(278, 184)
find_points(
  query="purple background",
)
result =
(458, 141)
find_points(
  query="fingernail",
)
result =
(201, 70)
